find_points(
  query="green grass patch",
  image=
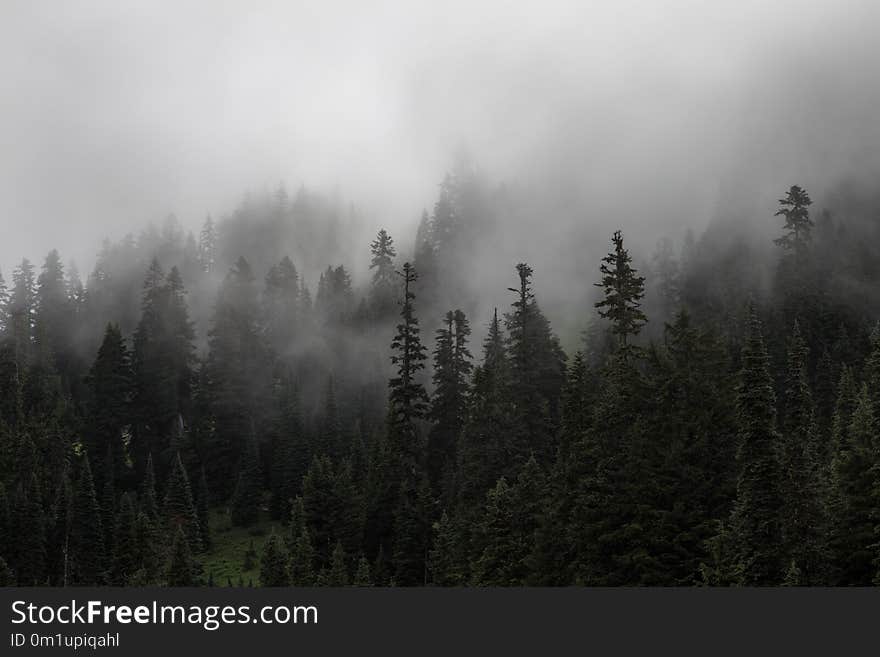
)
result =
(227, 558)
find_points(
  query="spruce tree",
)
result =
(407, 398)
(110, 386)
(854, 480)
(125, 549)
(362, 577)
(623, 291)
(758, 556)
(804, 524)
(338, 572)
(181, 566)
(203, 503)
(247, 495)
(87, 555)
(274, 563)
(302, 560)
(798, 225)
(384, 285)
(178, 507)
(452, 368)
(28, 554)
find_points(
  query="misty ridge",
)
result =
(563, 296)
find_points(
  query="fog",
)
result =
(648, 116)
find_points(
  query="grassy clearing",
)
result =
(226, 560)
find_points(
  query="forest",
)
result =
(232, 408)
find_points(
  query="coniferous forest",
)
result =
(231, 406)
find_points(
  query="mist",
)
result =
(608, 114)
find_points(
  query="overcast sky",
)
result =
(113, 113)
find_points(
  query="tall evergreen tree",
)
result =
(623, 290)
(274, 563)
(87, 555)
(384, 284)
(758, 556)
(178, 506)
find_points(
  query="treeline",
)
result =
(737, 442)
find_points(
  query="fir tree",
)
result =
(178, 507)
(181, 566)
(203, 503)
(362, 577)
(804, 523)
(87, 555)
(338, 573)
(798, 225)
(247, 495)
(125, 547)
(274, 563)
(623, 290)
(854, 485)
(383, 290)
(452, 368)
(758, 557)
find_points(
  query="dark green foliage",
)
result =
(537, 370)
(162, 364)
(805, 523)
(28, 552)
(87, 556)
(110, 387)
(235, 385)
(181, 566)
(407, 398)
(274, 563)
(623, 290)
(452, 369)
(338, 572)
(362, 575)
(246, 498)
(302, 560)
(756, 524)
(178, 508)
(854, 480)
(125, 543)
(203, 502)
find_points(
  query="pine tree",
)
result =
(203, 503)
(178, 507)
(236, 386)
(623, 290)
(21, 311)
(148, 503)
(854, 484)
(447, 561)
(338, 573)
(758, 557)
(384, 286)
(87, 555)
(412, 531)
(492, 443)
(208, 246)
(28, 554)
(281, 304)
(4, 307)
(804, 523)
(274, 563)
(125, 548)
(247, 495)
(302, 560)
(537, 370)
(452, 368)
(181, 566)
(110, 387)
(408, 400)
(362, 576)
(795, 209)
